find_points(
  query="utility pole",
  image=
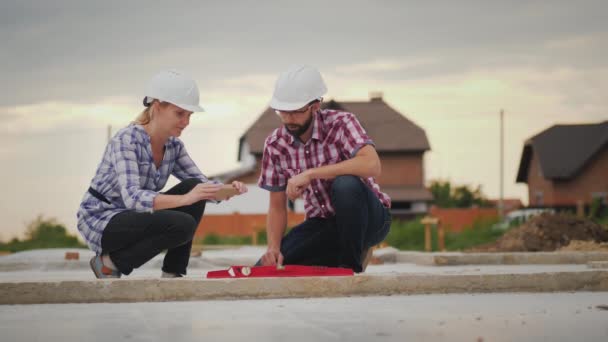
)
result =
(501, 205)
(109, 133)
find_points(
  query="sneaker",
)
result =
(367, 256)
(170, 275)
(102, 271)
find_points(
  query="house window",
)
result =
(538, 197)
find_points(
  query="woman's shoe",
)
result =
(102, 271)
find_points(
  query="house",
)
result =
(565, 165)
(400, 143)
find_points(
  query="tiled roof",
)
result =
(389, 129)
(563, 150)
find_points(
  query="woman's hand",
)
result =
(240, 187)
(201, 192)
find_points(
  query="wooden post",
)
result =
(427, 221)
(427, 237)
(254, 237)
(580, 208)
(441, 237)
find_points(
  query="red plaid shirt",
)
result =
(336, 136)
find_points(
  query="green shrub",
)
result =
(43, 233)
(214, 239)
(407, 235)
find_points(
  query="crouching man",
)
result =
(326, 157)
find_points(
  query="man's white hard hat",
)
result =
(296, 87)
(173, 87)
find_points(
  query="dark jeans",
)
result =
(132, 238)
(361, 221)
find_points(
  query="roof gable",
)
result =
(563, 150)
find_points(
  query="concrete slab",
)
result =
(515, 258)
(54, 259)
(148, 272)
(455, 317)
(44, 276)
(597, 264)
(153, 290)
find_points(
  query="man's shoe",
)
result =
(367, 256)
(170, 275)
(102, 271)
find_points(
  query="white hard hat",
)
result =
(173, 87)
(296, 87)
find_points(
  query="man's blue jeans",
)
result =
(361, 221)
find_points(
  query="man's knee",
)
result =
(346, 184)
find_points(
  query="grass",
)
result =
(409, 235)
(214, 239)
(404, 235)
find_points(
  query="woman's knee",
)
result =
(186, 225)
(190, 183)
(184, 186)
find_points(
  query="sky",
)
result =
(71, 68)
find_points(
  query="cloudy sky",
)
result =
(71, 68)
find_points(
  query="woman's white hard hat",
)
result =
(173, 87)
(296, 87)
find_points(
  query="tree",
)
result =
(445, 196)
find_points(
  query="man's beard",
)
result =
(301, 128)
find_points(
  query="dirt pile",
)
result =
(547, 232)
(585, 246)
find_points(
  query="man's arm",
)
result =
(365, 163)
(275, 228)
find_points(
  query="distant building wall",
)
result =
(591, 181)
(401, 169)
(540, 190)
(457, 219)
(239, 224)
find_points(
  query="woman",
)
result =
(123, 216)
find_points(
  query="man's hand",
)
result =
(297, 184)
(272, 257)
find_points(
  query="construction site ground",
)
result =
(558, 296)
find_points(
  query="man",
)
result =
(326, 157)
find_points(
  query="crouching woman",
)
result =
(123, 216)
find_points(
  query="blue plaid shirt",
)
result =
(128, 178)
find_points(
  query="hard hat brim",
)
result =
(280, 105)
(190, 108)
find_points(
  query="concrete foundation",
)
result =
(155, 290)
(514, 258)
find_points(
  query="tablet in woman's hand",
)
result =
(226, 191)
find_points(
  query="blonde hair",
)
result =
(144, 117)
